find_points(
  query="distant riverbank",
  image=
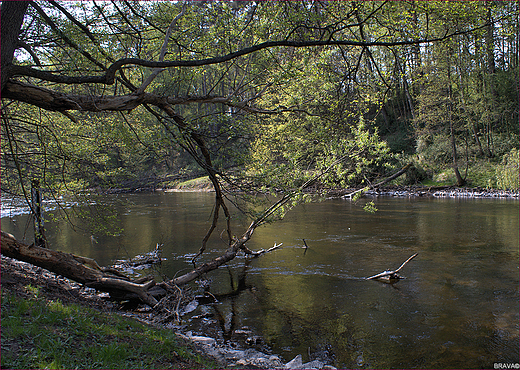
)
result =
(444, 191)
(439, 191)
(16, 206)
(431, 191)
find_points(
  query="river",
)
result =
(457, 308)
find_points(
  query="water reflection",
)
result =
(457, 308)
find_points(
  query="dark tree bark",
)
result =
(11, 22)
(449, 108)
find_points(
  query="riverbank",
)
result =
(435, 191)
(431, 191)
(17, 206)
(51, 322)
(109, 336)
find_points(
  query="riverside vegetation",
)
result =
(438, 89)
(40, 334)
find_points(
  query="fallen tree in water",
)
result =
(391, 276)
(81, 269)
(86, 270)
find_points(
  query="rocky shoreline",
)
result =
(230, 354)
(432, 191)
(233, 357)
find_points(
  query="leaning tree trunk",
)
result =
(86, 271)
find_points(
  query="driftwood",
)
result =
(391, 276)
(247, 251)
(141, 260)
(86, 270)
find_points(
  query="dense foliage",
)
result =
(431, 82)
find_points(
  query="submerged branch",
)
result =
(391, 276)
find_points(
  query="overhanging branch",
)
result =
(57, 101)
(109, 76)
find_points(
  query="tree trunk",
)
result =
(449, 109)
(490, 41)
(460, 180)
(11, 22)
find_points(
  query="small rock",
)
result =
(316, 364)
(190, 307)
(275, 360)
(203, 340)
(254, 340)
(233, 354)
(243, 331)
(295, 363)
(241, 362)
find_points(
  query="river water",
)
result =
(457, 308)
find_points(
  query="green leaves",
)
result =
(324, 102)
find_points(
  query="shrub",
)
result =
(506, 173)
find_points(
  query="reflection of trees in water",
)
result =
(285, 328)
(297, 323)
(237, 285)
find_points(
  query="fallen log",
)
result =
(80, 269)
(391, 276)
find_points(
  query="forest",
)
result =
(264, 95)
(258, 96)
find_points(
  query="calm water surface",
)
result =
(457, 308)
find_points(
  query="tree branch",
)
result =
(57, 101)
(388, 179)
(156, 71)
(12, 13)
(84, 28)
(64, 37)
(109, 76)
(392, 274)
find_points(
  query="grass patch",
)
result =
(198, 184)
(47, 334)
